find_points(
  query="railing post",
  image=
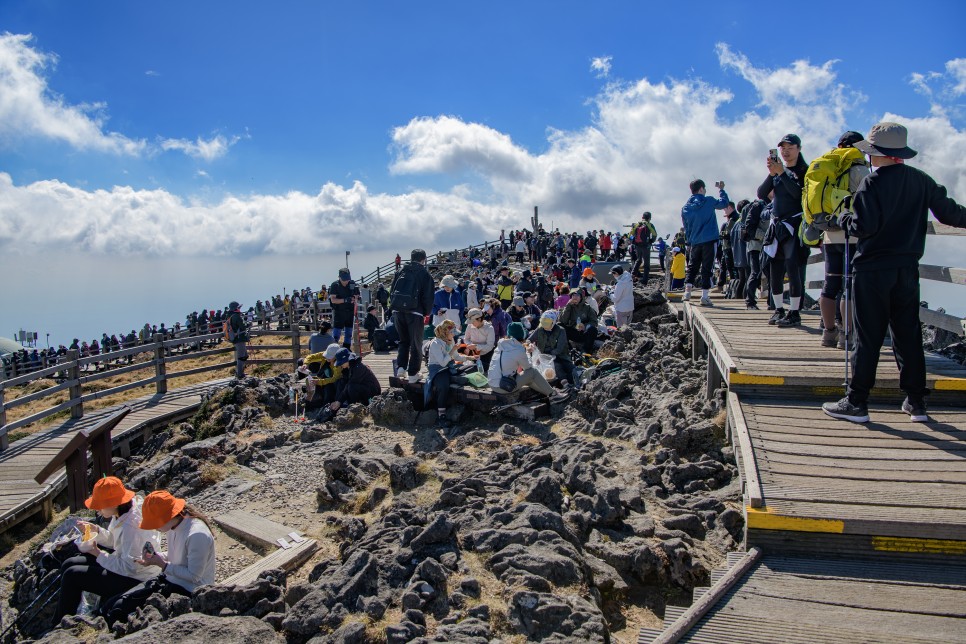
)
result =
(160, 370)
(73, 373)
(315, 314)
(296, 342)
(4, 440)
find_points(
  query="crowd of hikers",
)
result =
(525, 311)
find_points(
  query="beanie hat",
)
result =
(516, 331)
(109, 492)
(159, 508)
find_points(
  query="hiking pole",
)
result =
(848, 312)
(25, 611)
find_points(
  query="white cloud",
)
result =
(214, 148)
(151, 72)
(601, 66)
(942, 88)
(646, 141)
(29, 108)
(956, 68)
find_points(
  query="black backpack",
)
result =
(405, 291)
(380, 340)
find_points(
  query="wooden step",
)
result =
(281, 558)
(254, 529)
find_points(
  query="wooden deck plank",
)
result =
(253, 528)
(286, 559)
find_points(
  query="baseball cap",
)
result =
(792, 139)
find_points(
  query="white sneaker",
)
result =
(400, 372)
(706, 301)
(414, 379)
(687, 296)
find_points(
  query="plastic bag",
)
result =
(477, 379)
(543, 363)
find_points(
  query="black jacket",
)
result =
(425, 288)
(890, 214)
(788, 190)
(360, 378)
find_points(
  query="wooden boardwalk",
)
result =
(752, 356)
(857, 532)
(812, 601)
(21, 496)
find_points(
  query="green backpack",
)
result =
(827, 186)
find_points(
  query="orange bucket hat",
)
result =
(588, 272)
(109, 492)
(159, 508)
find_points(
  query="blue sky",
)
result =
(250, 129)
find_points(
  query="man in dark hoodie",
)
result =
(411, 300)
(701, 231)
(786, 180)
(889, 217)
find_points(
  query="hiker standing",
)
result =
(411, 300)
(701, 231)
(890, 212)
(237, 333)
(644, 236)
(343, 296)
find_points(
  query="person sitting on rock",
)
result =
(480, 336)
(370, 323)
(322, 338)
(358, 383)
(563, 296)
(325, 376)
(107, 573)
(579, 321)
(512, 363)
(443, 358)
(188, 564)
(588, 281)
(551, 339)
(498, 317)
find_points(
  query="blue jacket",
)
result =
(575, 275)
(700, 222)
(444, 300)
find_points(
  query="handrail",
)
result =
(388, 270)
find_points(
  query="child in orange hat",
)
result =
(188, 564)
(107, 573)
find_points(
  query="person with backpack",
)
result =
(787, 181)
(890, 211)
(755, 219)
(411, 300)
(842, 170)
(726, 260)
(644, 236)
(739, 253)
(701, 231)
(236, 332)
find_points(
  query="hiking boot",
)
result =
(830, 338)
(845, 410)
(842, 341)
(777, 316)
(751, 306)
(916, 408)
(706, 301)
(792, 318)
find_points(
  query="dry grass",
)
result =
(108, 381)
(361, 504)
(212, 473)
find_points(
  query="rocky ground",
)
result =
(576, 528)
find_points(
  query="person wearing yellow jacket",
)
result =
(677, 269)
(325, 375)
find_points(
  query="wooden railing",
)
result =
(947, 274)
(388, 270)
(71, 372)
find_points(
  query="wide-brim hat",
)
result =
(159, 508)
(518, 301)
(448, 280)
(474, 313)
(886, 140)
(109, 492)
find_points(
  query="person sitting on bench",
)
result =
(510, 369)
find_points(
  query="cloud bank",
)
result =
(644, 142)
(29, 108)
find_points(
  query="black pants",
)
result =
(440, 388)
(727, 267)
(643, 254)
(519, 257)
(888, 299)
(83, 573)
(741, 278)
(701, 260)
(754, 276)
(585, 338)
(120, 606)
(410, 329)
(835, 269)
(786, 262)
(660, 260)
(485, 360)
(564, 368)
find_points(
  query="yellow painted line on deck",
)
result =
(951, 384)
(764, 519)
(928, 546)
(738, 378)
